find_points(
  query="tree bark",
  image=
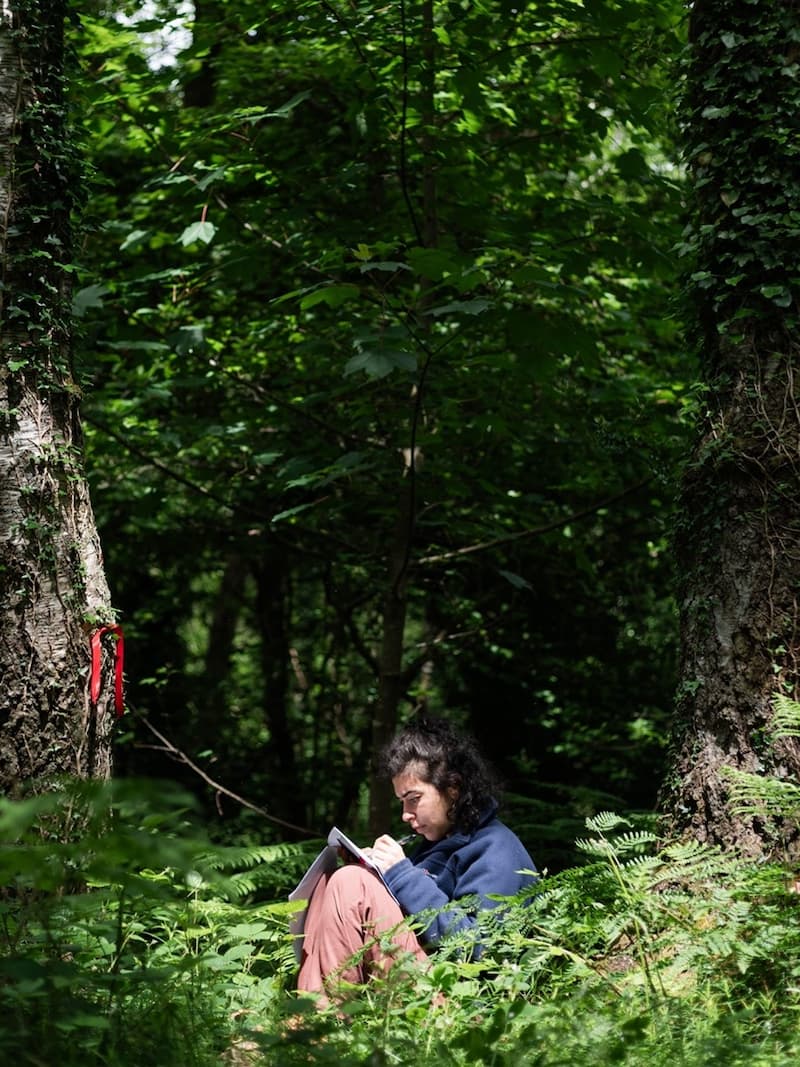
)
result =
(200, 88)
(392, 682)
(272, 602)
(215, 679)
(53, 592)
(738, 537)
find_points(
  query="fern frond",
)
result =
(606, 821)
(232, 857)
(642, 866)
(595, 846)
(631, 841)
(786, 719)
(696, 861)
(752, 794)
(635, 839)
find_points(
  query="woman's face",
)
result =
(424, 807)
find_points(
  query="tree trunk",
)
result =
(272, 600)
(392, 682)
(53, 592)
(738, 539)
(200, 88)
(212, 697)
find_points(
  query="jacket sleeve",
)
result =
(482, 871)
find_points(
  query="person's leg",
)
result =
(347, 914)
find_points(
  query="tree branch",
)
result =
(181, 757)
(535, 530)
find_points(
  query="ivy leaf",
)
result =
(778, 294)
(715, 112)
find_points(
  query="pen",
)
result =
(406, 839)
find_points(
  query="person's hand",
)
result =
(385, 852)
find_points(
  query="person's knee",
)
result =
(351, 879)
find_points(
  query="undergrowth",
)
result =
(125, 938)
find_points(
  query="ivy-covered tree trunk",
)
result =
(53, 593)
(738, 541)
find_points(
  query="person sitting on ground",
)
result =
(449, 797)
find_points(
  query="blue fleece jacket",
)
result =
(461, 865)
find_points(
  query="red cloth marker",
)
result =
(119, 659)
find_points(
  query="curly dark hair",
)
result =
(448, 760)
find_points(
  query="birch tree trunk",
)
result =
(53, 592)
(738, 539)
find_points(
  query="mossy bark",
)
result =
(738, 538)
(53, 590)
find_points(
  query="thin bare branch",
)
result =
(180, 757)
(534, 531)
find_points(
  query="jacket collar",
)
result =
(458, 837)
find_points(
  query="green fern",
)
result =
(763, 796)
(233, 857)
(786, 717)
(642, 955)
(604, 822)
(632, 841)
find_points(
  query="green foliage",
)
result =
(118, 943)
(739, 112)
(43, 189)
(121, 942)
(739, 118)
(319, 288)
(774, 801)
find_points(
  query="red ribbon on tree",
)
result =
(119, 659)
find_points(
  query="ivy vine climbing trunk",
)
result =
(53, 591)
(738, 541)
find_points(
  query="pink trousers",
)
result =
(347, 914)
